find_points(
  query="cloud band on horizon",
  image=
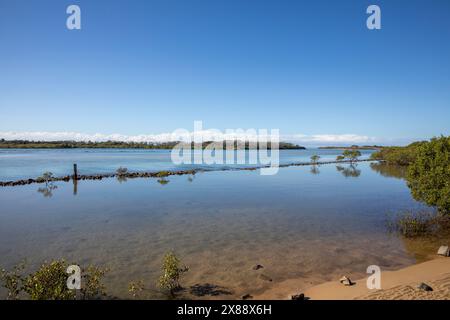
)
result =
(167, 137)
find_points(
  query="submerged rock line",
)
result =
(164, 173)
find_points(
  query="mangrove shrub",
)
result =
(429, 175)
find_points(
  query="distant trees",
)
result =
(428, 176)
(65, 144)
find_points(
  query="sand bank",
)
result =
(400, 284)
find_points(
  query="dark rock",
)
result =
(247, 296)
(346, 281)
(300, 296)
(424, 287)
(257, 267)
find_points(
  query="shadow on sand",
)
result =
(207, 289)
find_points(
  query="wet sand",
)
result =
(395, 285)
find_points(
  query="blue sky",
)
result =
(149, 67)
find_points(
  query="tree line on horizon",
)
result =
(64, 144)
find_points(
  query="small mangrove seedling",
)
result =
(121, 174)
(135, 288)
(162, 174)
(13, 281)
(315, 158)
(171, 273)
(121, 171)
(46, 177)
(47, 191)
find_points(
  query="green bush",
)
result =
(402, 156)
(49, 282)
(171, 273)
(12, 281)
(429, 175)
(46, 177)
(352, 155)
(135, 288)
(162, 174)
(315, 158)
(412, 224)
(92, 286)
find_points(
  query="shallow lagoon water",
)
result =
(18, 164)
(316, 223)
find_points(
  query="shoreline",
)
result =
(163, 173)
(399, 284)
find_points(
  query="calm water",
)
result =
(311, 222)
(19, 164)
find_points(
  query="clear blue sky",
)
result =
(144, 67)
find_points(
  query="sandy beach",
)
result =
(395, 285)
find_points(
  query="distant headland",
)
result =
(356, 147)
(26, 144)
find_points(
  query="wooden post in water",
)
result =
(75, 174)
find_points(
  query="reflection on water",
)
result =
(163, 181)
(47, 190)
(388, 170)
(75, 186)
(349, 171)
(295, 224)
(121, 178)
(314, 169)
(18, 164)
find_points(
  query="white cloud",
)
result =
(164, 137)
(333, 138)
